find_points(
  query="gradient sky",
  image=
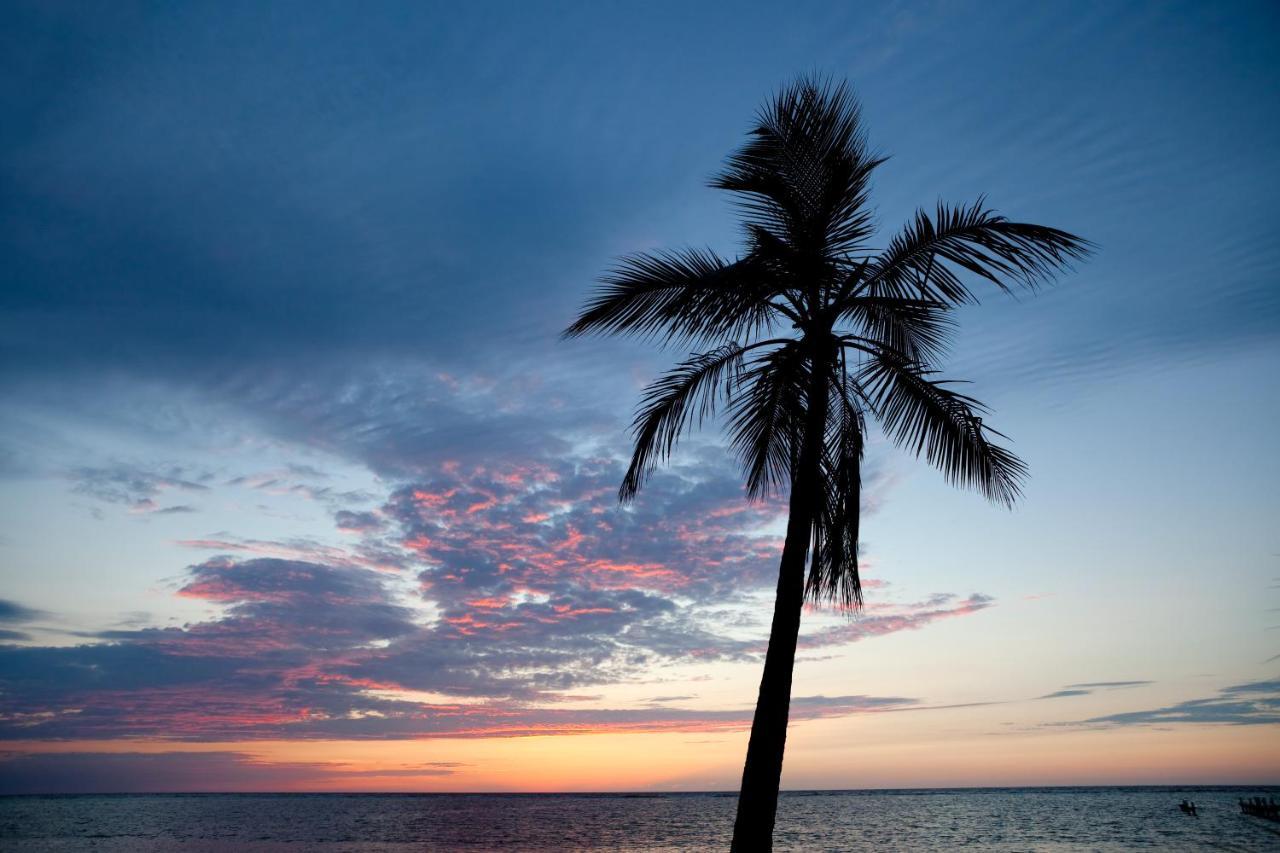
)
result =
(300, 490)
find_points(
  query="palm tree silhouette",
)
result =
(802, 337)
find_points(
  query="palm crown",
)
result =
(812, 329)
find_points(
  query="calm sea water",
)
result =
(1025, 819)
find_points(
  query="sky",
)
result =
(301, 490)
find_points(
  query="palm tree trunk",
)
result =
(762, 774)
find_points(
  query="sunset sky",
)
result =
(300, 489)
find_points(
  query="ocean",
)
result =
(996, 819)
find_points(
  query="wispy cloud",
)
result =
(886, 618)
(138, 487)
(1249, 704)
(13, 613)
(358, 522)
(1089, 687)
(142, 772)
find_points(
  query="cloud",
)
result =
(217, 771)
(1089, 687)
(496, 529)
(514, 586)
(296, 480)
(1249, 704)
(12, 611)
(357, 522)
(403, 419)
(367, 553)
(138, 486)
(880, 618)
(178, 770)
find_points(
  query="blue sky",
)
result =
(273, 275)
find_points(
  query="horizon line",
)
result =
(702, 793)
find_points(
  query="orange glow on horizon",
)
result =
(821, 754)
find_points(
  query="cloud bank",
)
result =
(476, 601)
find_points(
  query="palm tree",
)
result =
(800, 338)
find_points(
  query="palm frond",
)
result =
(804, 173)
(690, 295)
(919, 329)
(919, 261)
(926, 418)
(669, 404)
(833, 570)
(766, 412)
